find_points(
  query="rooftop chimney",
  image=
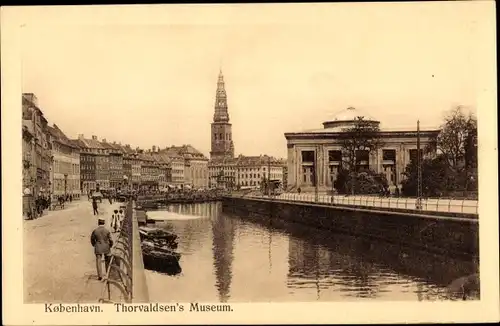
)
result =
(154, 148)
(94, 137)
(114, 143)
(104, 140)
(81, 136)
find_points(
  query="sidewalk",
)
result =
(59, 261)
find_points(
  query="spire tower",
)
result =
(222, 141)
(221, 114)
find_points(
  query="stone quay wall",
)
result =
(140, 292)
(452, 236)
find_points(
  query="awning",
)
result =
(171, 186)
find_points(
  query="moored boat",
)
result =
(160, 259)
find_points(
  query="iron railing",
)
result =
(460, 206)
(118, 280)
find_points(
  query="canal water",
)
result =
(227, 258)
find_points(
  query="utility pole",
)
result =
(419, 170)
(316, 174)
(268, 184)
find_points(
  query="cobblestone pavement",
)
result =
(59, 261)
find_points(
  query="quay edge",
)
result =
(139, 285)
(437, 233)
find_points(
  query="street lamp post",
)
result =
(419, 170)
(316, 194)
(65, 184)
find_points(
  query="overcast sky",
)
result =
(154, 84)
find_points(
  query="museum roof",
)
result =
(350, 114)
(343, 128)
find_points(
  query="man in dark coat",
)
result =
(102, 243)
(94, 206)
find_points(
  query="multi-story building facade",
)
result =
(222, 173)
(65, 176)
(95, 164)
(36, 124)
(195, 165)
(317, 154)
(175, 167)
(163, 165)
(115, 157)
(221, 129)
(245, 171)
(128, 158)
(87, 168)
(136, 170)
(28, 163)
(149, 171)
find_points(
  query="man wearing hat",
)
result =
(102, 243)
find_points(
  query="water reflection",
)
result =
(232, 258)
(223, 230)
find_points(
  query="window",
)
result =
(308, 156)
(334, 156)
(389, 155)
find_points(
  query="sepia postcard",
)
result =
(250, 163)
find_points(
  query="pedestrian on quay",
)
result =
(94, 206)
(115, 220)
(122, 218)
(110, 199)
(102, 243)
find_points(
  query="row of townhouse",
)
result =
(113, 166)
(51, 161)
(55, 165)
(244, 171)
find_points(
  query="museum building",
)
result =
(319, 151)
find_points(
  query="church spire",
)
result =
(221, 113)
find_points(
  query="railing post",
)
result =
(449, 205)
(437, 205)
(463, 202)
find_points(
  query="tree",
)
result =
(457, 138)
(437, 178)
(362, 137)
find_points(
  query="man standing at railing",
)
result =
(102, 243)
